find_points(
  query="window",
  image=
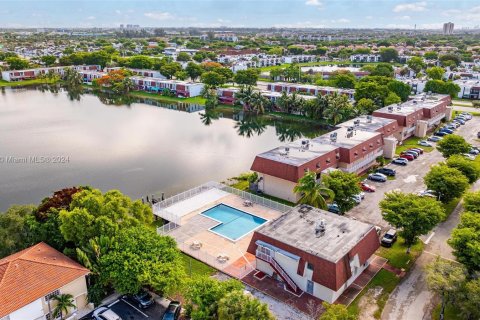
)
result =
(328, 160)
(52, 294)
(309, 266)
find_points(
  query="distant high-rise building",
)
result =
(121, 26)
(448, 28)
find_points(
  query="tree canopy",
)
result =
(449, 183)
(238, 305)
(311, 192)
(465, 241)
(412, 214)
(453, 144)
(470, 169)
(344, 185)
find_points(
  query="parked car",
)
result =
(440, 134)
(474, 151)
(469, 156)
(449, 131)
(424, 143)
(445, 132)
(334, 208)
(435, 138)
(173, 311)
(142, 299)
(427, 193)
(387, 171)
(377, 177)
(389, 238)
(400, 161)
(104, 313)
(357, 198)
(366, 187)
(417, 150)
(409, 157)
(451, 127)
(478, 134)
(460, 120)
(410, 152)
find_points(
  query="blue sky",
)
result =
(240, 13)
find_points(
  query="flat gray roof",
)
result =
(358, 136)
(373, 125)
(410, 106)
(297, 229)
(298, 154)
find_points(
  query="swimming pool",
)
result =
(234, 223)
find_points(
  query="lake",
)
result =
(49, 141)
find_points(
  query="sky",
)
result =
(240, 13)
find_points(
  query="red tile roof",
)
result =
(33, 273)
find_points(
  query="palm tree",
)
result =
(64, 302)
(245, 97)
(259, 102)
(313, 193)
(90, 255)
(339, 108)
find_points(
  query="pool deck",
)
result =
(194, 227)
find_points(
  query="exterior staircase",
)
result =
(289, 283)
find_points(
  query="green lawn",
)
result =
(451, 313)
(412, 143)
(385, 279)
(397, 256)
(193, 267)
(4, 83)
(475, 114)
(450, 206)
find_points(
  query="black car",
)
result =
(387, 172)
(173, 311)
(142, 299)
(334, 208)
(389, 238)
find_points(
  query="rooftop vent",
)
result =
(320, 228)
(333, 137)
(356, 123)
(369, 119)
(390, 109)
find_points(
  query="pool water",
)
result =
(234, 223)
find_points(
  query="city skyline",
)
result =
(242, 13)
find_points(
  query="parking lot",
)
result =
(127, 311)
(408, 178)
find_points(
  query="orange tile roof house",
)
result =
(29, 278)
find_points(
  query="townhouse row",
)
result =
(30, 74)
(352, 147)
(469, 88)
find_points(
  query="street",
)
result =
(411, 299)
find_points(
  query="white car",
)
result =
(358, 197)
(469, 156)
(424, 143)
(104, 313)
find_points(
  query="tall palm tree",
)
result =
(313, 193)
(245, 97)
(259, 102)
(64, 302)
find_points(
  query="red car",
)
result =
(366, 187)
(407, 156)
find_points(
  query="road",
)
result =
(411, 299)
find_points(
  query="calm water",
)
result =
(139, 149)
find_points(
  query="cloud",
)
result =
(91, 18)
(414, 7)
(404, 18)
(159, 15)
(299, 25)
(473, 14)
(315, 3)
(341, 20)
(369, 17)
(223, 20)
(398, 26)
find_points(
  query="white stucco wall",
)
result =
(31, 311)
(279, 188)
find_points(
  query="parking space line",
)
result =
(146, 316)
(114, 302)
(429, 238)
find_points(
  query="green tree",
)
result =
(92, 214)
(63, 303)
(416, 64)
(344, 185)
(469, 301)
(465, 241)
(453, 144)
(72, 78)
(471, 201)
(366, 106)
(445, 278)
(48, 60)
(470, 169)
(344, 80)
(388, 54)
(450, 58)
(316, 108)
(212, 79)
(238, 305)
(371, 90)
(142, 258)
(339, 108)
(194, 70)
(183, 57)
(383, 70)
(392, 98)
(311, 192)
(430, 55)
(336, 312)
(15, 63)
(181, 75)
(412, 214)
(435, 73)
(203, 295)
(14, 235)
(440, 86)
(100, 58)
(140, 62)
(210, 94)
(401, 89)
(449, 183)
(246, 77)
(295, 50)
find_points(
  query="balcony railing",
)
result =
(278, 268)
